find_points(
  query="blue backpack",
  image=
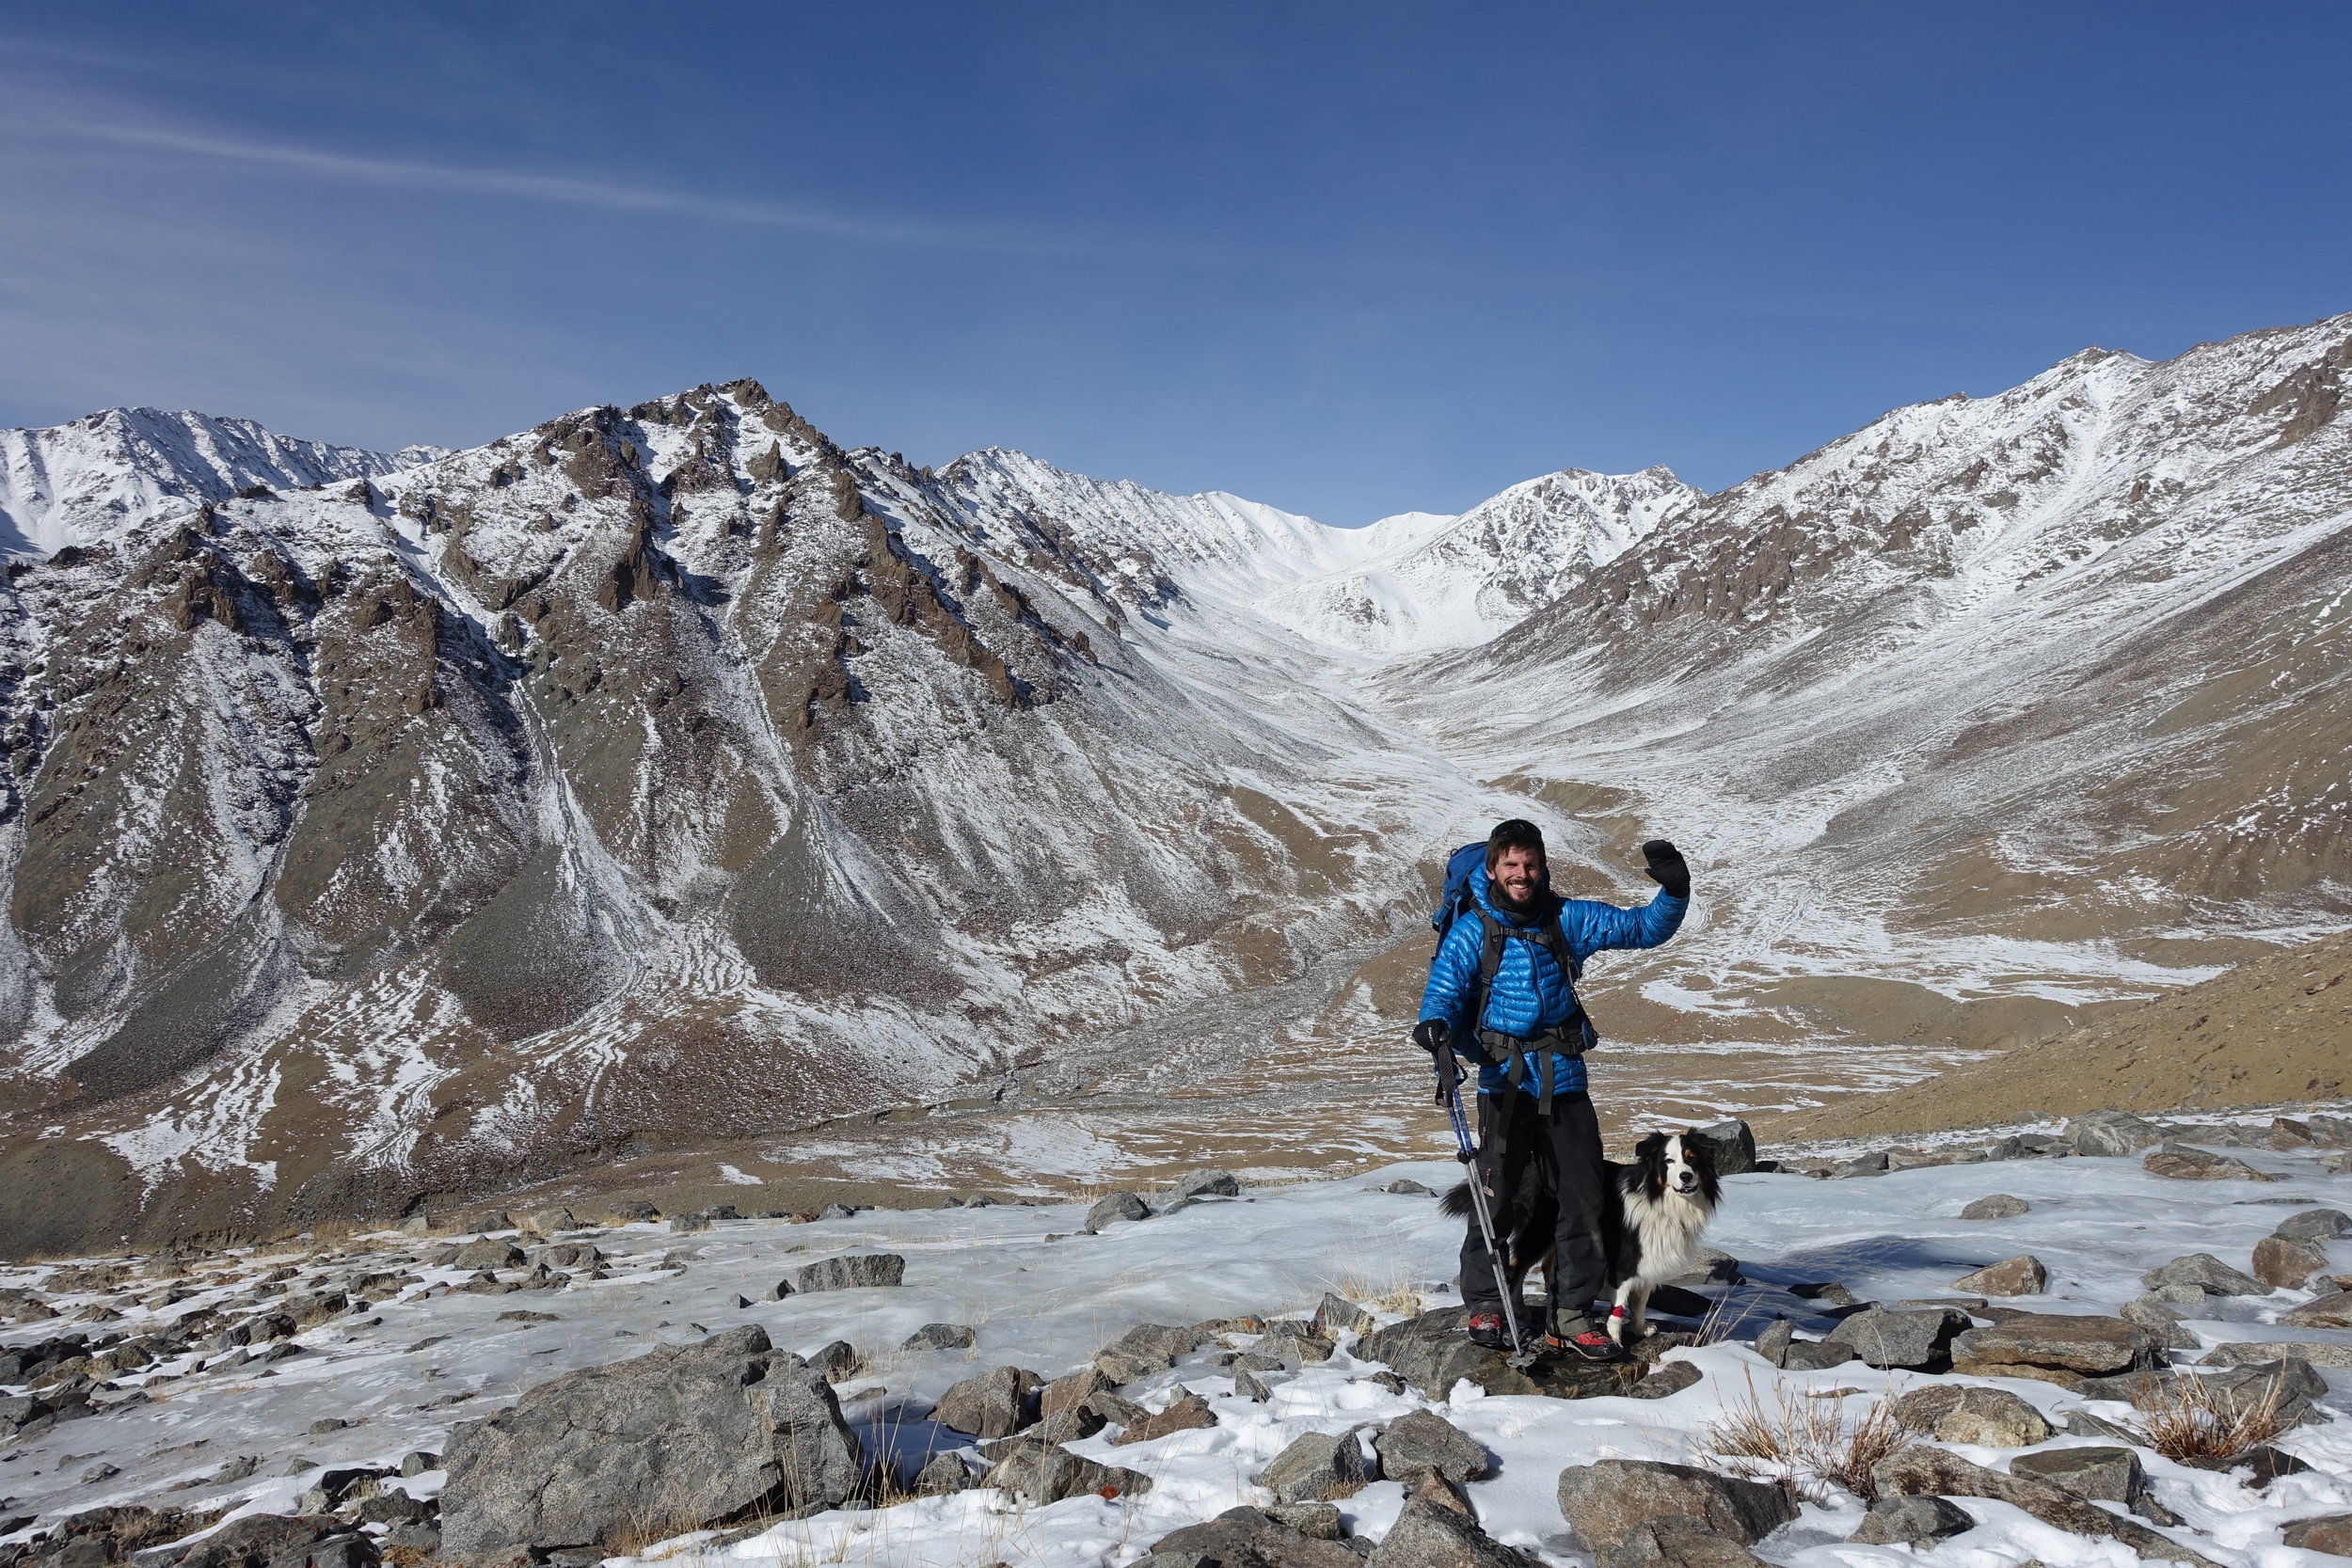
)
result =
(1456, 900)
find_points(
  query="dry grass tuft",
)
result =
(1810, 1444)
(2192, 1421)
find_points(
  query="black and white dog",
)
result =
(1662, 1203)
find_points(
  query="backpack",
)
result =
(1456, 900)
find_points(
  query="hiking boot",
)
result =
(1593, 1344)
(1486, 1329)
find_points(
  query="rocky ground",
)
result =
(2078, 1344)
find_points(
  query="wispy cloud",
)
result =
(608, 196)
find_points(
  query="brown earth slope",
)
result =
(2274, 1030)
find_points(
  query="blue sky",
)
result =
(1348, 259)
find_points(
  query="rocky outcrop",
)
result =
(1247, 1537)
(1432, 1353)
(680, 1437)
(1917, 1470)
(1916, 1339)
(2056, 1349)
(1605, 1502)
(1317, 1466)
(1989, 1418)
(1428, 1535)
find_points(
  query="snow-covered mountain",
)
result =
(80, 483)
(669, 773)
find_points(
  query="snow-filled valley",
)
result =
(401, 1345)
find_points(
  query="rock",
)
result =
(488, 1253)
(1828, 1292)
(2207, 1272)
(1209, 1183)
(2318, 1354)
(253, 1540)
(104, 1471)
(836, 1212)
(2022, 1276)
(2162, 1321)
(1863, 1164)
(1337, 1313)
(1715, 1267)
(1317, 1521)
(1188, 1414)
(851, 1272)
(1247, 1538)
(1425, 1442)
(2082, 1423)
(1920, 1340)
(2283, 1263)
(1432, 1353)
(1407, 1184)
(2332, 1310)
(2315, 1224)
(2111, 1133)
(1294, 1343)
(1999, 1206)
(1666, 1380)
(1146, 1349)
(1249, 1385)
(685, 1433)
(996, 1404)
(1807, 1356)
(943, 1474)
(684, 1225)
(546, 1221)
(1605, 1501)
(1990, 1418)
(1317, 1466)
(1116, 1206)
(1730, 1145)
(1773, 1342)
(1910, 1522)
(2330, 1533)
(2181, 1162)
(1126, 1413)
(2107, 1475)
(1917, 1470)
(2055, 1347)
(1063, 1427)
(1044, 1473)
(1676, 1543)
(838, 1361)
(1071, 1391)
(1426, 1535)
(941, 1336)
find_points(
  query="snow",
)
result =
(1044, 1297)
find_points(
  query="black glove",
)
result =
(1430, 1035)
(1667, 867)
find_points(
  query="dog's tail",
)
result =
(1456, 1201)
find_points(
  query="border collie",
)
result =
(1664, 1198)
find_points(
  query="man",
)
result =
(1537, 1134)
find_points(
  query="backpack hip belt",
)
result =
(1565, 1038)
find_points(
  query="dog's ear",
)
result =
(1694, 1149)
(1651, 1146)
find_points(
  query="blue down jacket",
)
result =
(1530, 995)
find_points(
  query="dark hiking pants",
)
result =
(1542, 1162)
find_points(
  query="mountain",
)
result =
(78, 483)
(669, 774)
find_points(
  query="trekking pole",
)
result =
(1466, 1152)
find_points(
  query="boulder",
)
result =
(1918, 1340)
(2332, 1310)
(2207, 1272)
(996, 1404)
(2315, 1224)
(1917, 1470)
(2111, 1133)
(840, 1361)
(1321, 1521)
(2317, 1354)
(2105, 1474)
(252, 1541)
(1209, 1183)
(1731, 1146)
(1990, 1418)
(2330, 1533)
(1247, 1537)
(1116, 1208)
(1335, 1314)
(1072, 1390)
(2022, 1276)
(1317, 1466)
(1676, 1543)
(2162, 1320)
(1432, 1353)
(2185, 1164)
(1427, 1535)
(941, 1336)
(2054, 1348)
(2282, 1262)
(1251, 1387)
(488, 1253)
(1044, 1473)
(943, 1474)
(1425, 1442)
(1999, 1206)
(851, 1272)
(1605, 1501)
(1809, 1356)
(1910, 1522)
(1408, 1185)
(1061, 1428)
(1774, 1341)
(1666, 1379)
(1294, 1343)
(1188, 1414)
(1146, 1349)
(683, 1435)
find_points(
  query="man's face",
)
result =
(1517, 874)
